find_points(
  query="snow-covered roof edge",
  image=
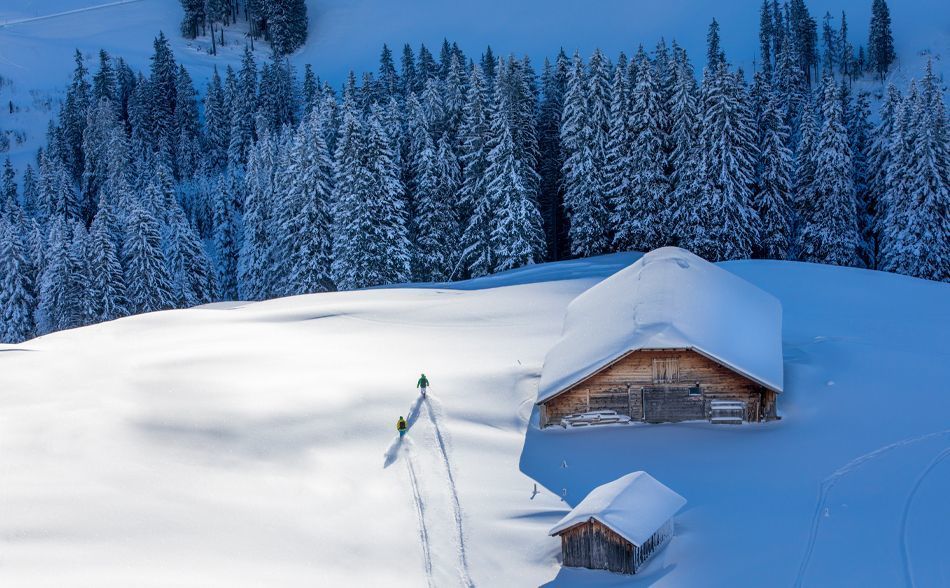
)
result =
(643, 307)
(634, 506)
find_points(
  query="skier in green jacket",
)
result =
(422, 384)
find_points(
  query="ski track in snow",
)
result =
(457, 507)
(424, 403)
(420, 514)
(905, 551)
(829, 483)
(66, 13)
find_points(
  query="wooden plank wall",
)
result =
(593, 545)
(618, 387)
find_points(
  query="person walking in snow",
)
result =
(401, 426)
(422, 384)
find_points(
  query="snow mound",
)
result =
(634, 506)
(669, 299)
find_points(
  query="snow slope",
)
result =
(255, 444)
(38, 37)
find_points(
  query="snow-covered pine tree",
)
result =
(477, 255)
(52, 308)
(435, 222)
(880, 39)
(162, 95)
(517, 234)
(31, 196)
(302, 217)
(187, 129)
(371, 245)
(860, 132)
(551, 195)
(73, 118)
(642, 222)
(806, 159)
(766, 34)
(243, 105)
(217, 123)
(583, 198)
(190, 270)
(107, 282)
(16, 297)
(8, 188)
(829, 232)
(226, 235)
(724, 225)
(80, 297)
(916, 232)
(102, 133)
(104, 81)
(255, 269)
(879, 158)
(773, 195)
(619, 163)
(148, 285)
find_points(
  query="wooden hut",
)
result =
(670, 338)
(619, 525)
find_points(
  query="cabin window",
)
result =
(665, 371)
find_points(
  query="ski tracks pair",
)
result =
(426, 528)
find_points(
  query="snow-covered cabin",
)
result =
(619, 525)
(666, 340)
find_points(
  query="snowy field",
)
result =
(38, 38)
(250, 445)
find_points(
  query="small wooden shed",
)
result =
(670, 338)
(619, 525)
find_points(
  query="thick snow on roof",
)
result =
(634, 506)
(669, 299)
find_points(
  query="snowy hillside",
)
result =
(248, 445)
(38, 38)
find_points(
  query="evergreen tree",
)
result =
(53, 305)
(773, 196)
(255, 270)
(860, 133)
(517, 236)
(551, 195)
(583, 198)
(371, 246)
(880, 39)
(226, 236)
(16, 298)
(187, 131)
(243, 103)
(190, 272)
(829, 226)
(107, 283)
(104, 82)
(149, 286)
(217, 123)
(475, 134)
(641, 222)
(303, 212)
(724, 225)
(73, 119)
(916, 232)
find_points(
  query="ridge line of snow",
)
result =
(66, 13)
(905, 551)
(828, 483)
